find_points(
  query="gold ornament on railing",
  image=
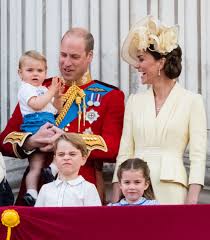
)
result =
(10, 218)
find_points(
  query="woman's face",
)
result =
(148, 67)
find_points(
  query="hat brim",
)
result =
(129, 50)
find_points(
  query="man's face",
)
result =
(73, 60)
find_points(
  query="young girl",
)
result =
(135, 183)
(69, 189)
(38, 105)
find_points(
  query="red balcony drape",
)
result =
(117, 223)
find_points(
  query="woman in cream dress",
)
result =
(160, 123)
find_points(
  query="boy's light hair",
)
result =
(76, 140)
(32, 54)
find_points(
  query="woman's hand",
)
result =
(193, 194)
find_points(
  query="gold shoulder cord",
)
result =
(74, 93)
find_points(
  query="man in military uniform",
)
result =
(89, 107)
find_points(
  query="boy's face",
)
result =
(68, 159)
(32, 71)
(133, 184)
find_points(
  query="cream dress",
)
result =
(161, 140)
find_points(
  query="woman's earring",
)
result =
(159, 72)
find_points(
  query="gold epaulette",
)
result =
(16, 138)
(94, 142)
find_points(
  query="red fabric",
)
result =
(108, 125)
(107, 223)
(12, 125)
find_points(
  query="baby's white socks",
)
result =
(54, 169)
(33, 193)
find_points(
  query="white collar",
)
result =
(73, 182)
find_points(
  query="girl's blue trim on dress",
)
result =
(141, 201)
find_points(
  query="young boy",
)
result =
(69, 189)
(38, 105)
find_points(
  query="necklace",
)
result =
(158, 109)
(159, 103)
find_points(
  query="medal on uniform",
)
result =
(90, 102)
(88, 131)
(97, 102)
(91, 116)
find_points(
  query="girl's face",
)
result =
(68, 160)
(148, 67)
(133, 184)
(33, 71)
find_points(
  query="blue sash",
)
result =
(72, 113)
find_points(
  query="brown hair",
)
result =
(82, 33)
(76, 140)
(173, 65)
(32, 54)
(138, 164)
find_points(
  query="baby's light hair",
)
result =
(34, 55)
(138, 164)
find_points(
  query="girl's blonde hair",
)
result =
(76, 140)
(32, 54)
(138, 164)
